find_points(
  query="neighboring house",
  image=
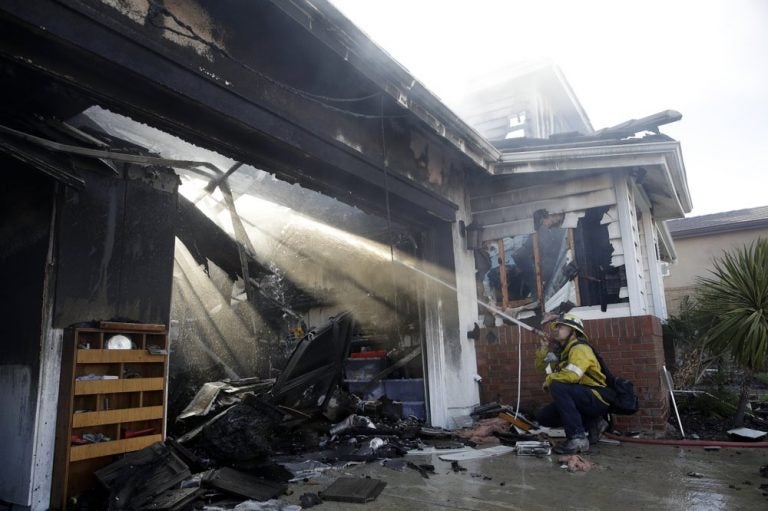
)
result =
(701, 239)
(148, 146)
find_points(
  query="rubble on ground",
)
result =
(241, 443)
(483, 432)
(575, 463)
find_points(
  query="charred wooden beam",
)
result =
(206, 240)
(136, 71)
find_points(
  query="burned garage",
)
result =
(245, 187)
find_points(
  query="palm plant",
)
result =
(683, 331)
(735, 298)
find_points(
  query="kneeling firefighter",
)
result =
(577, 385)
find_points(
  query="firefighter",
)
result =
(577, 386)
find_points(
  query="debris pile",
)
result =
(242, 442)
(483, 432)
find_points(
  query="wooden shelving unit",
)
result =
(129, 408)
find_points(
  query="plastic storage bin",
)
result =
(411, 389)
(364, 368)
(362, 389)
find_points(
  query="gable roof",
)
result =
(500, 93)
(727, 221)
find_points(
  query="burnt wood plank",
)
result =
(351, 489)
(243, 485)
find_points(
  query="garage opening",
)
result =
(262, 265)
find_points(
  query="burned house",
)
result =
(572, 217)
(240, 172)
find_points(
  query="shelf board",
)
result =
(84, 452)
(88, 419)
(117, 356)
(133, 327)
(118, 386)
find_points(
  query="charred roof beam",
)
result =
(130, 69)
(321, 19)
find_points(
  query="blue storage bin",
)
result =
(360, 389)
(410, 389)
(364, 368)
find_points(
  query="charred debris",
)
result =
(240, 443)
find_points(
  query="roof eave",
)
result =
(667, 242)
(665, 158)
(332, 28)
(677, 170)
(761, 223)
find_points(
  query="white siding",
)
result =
(646, 259)
(510, 212)
(630, 237)
(654, 285)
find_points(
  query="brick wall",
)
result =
(632, 347)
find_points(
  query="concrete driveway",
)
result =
(626, 477)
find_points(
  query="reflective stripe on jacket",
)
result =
(578, 364)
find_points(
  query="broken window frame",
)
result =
(594, 288)
(506, 303)
(543, 220)
(498, 285)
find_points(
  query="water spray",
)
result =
(499, 312)
(489, 307)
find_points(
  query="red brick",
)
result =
(637, 357)
(597, 331)
(629, 326)
(645, 325)
(614, 328)
(622, 324)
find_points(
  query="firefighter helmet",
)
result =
(572, 321)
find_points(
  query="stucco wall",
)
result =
(460, 386)
(694, 258)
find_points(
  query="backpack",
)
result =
(623, 401)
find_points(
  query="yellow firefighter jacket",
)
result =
(577, 364)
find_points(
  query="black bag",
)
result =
(622, 400)
(625, 402)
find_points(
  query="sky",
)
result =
(624, 60)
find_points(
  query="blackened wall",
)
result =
(26, 199)
(115, 247)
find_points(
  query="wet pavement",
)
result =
(631, 477)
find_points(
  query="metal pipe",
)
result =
(668, 380)
(691, 443)
(112, 155)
